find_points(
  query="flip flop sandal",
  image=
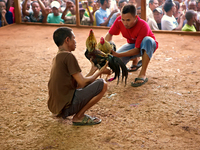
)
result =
(135, 66)
(136, 84)
(88, 120)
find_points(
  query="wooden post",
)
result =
(77, 14)
(17, 11)
(143, 10)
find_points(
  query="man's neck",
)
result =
(103, 7)
(169, 13)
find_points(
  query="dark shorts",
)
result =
(82, 97)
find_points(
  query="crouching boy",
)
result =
(70, 93)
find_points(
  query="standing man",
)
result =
(102, 16)
(140, 40)
(55, 16)
(153, 4)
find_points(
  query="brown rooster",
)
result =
(95, 51)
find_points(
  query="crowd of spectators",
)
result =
(161, 14)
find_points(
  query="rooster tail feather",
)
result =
(123, 68)
(114, 66)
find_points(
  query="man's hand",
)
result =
(114, 53)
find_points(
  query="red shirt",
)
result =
(134, 34)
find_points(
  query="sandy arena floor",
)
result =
(162, 114)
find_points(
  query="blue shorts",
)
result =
(148, 44)
(82, 96)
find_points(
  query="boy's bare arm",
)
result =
(84, 81)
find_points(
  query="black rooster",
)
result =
(99, 58)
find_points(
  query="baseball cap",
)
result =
(158, 10)
(55, 4)
(81, 7)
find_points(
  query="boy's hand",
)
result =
(93, 67)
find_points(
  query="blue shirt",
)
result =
(101, 15)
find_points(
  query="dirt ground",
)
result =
(162, 114)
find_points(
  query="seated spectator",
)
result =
(158, 14)
(191, 19)
(55, 16)
(168, 21)
(36, 15)
(5, 16)
(121, 3)
(102, 16)
(84, 20)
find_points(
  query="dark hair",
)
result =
(102, 1)
(3, 1)
(61, 34)
(177, 4)
(121, 1)
(151, 1)
(34, 2)
(129, 8)
(189, 14)
(168, 5)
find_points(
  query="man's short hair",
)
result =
(61, 34)
(189, 14)
(151, 1)
(33, 2)
(121, 1)
(102, 1)
(3, 1)
(129, 8)
(168, 5)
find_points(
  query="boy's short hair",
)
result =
(61, 34)
(189, 14)
(168, 5)
(129, 8)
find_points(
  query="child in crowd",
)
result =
(191, 19)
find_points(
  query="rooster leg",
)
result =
(108, 72)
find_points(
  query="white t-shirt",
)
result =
(168, 23)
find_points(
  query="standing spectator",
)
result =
(10, 7)
(168, 21)
(160, 2)
(5, 16)
(115, 15)
(36, 15)
(177, 12)
(153, 4)
(84, 20)
(192, 5)
(55, 16)
(102, 16)
(191, 19)
(158, 14)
